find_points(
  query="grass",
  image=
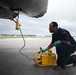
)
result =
(1, 37)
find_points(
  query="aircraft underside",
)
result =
(33, 8)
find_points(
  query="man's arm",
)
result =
(62, 42)
(50, 46)
(65, 42)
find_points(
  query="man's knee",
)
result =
(60, 49)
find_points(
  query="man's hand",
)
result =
(57, 43)
(44, 49)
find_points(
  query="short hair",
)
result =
(53, 24)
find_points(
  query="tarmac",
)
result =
(13, 63)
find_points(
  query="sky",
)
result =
(61, 11)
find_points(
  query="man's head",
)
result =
(53, 26)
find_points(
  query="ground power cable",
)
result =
(23, 46)
(20, 50)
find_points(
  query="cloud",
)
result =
(62, 11)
